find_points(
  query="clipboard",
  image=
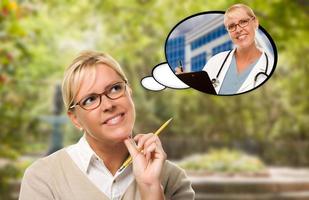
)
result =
(199, 81)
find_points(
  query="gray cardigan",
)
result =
(57, 177)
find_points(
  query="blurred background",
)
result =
(251, 146)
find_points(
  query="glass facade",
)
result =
(216, 33)
(198, 62)
(175, 51)
(222, 47)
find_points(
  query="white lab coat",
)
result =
(212, 67)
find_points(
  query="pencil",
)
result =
(129, 159)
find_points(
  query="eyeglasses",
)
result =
(94, 100)
(242, 23)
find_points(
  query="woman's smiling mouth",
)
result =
(241, 37)
(114, 120)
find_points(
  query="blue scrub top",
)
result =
(233, 80)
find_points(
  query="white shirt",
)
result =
(93, 167)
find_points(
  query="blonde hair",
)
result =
(84, 63)
(234, 7)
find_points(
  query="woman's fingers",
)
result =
(131, 147)
(151, 148)
(178, 70)
(150, 145)
(142, 138)
(137, 137)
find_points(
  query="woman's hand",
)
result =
(178, 70)
(148, 160)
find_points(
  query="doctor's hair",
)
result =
(248, 11)
(234, 7)
(85, 64)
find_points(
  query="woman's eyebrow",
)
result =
(111, 84)
(88, 95)
(108, 86)
(105, 88)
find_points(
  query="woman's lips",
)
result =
(114, 120)
(241, 37)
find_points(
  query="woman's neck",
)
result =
(245, 56)
(112, 154)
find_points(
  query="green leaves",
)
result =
(224, 161)
(39, 39)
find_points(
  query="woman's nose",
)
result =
(238, 28)
(107, 104)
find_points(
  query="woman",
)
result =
(244, 67)
(99, 102)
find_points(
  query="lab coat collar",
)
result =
(249, 83)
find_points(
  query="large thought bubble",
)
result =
(200, 52)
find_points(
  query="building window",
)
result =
(222, 47)
(212, 35)
(198, 62)
(175, 51)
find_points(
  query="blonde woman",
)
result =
(99, 103)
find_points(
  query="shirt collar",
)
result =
(87, 155)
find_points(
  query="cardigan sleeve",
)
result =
(35, 184)
(177, 184)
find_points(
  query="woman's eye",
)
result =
(231, 26)
(244, 21)
(89, 100)
(116, 88)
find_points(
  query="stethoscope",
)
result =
(215, 81)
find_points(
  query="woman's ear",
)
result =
(74, 119)
(130, 90)
(256, 21)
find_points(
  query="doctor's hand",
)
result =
(148, 159)
(178, 70)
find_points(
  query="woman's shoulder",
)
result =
(212, 63)
(171, 170)
(170, 166)
(221, 54)
(45, 164)
(176, 183)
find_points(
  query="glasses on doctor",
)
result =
(92, 101)
(242, 23)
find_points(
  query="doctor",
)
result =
(244, 67)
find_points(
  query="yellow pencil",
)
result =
(129, 160)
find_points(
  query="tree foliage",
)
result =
(39, 38)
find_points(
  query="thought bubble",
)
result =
(202, 47)
(151, 84)
(162, 77)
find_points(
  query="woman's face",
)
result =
(113, 120)
(242, 37)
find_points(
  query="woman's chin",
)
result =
(244, 44)
(121, 135)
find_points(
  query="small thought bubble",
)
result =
(162, 77)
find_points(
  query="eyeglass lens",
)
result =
(94, 100)
(242, 23)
